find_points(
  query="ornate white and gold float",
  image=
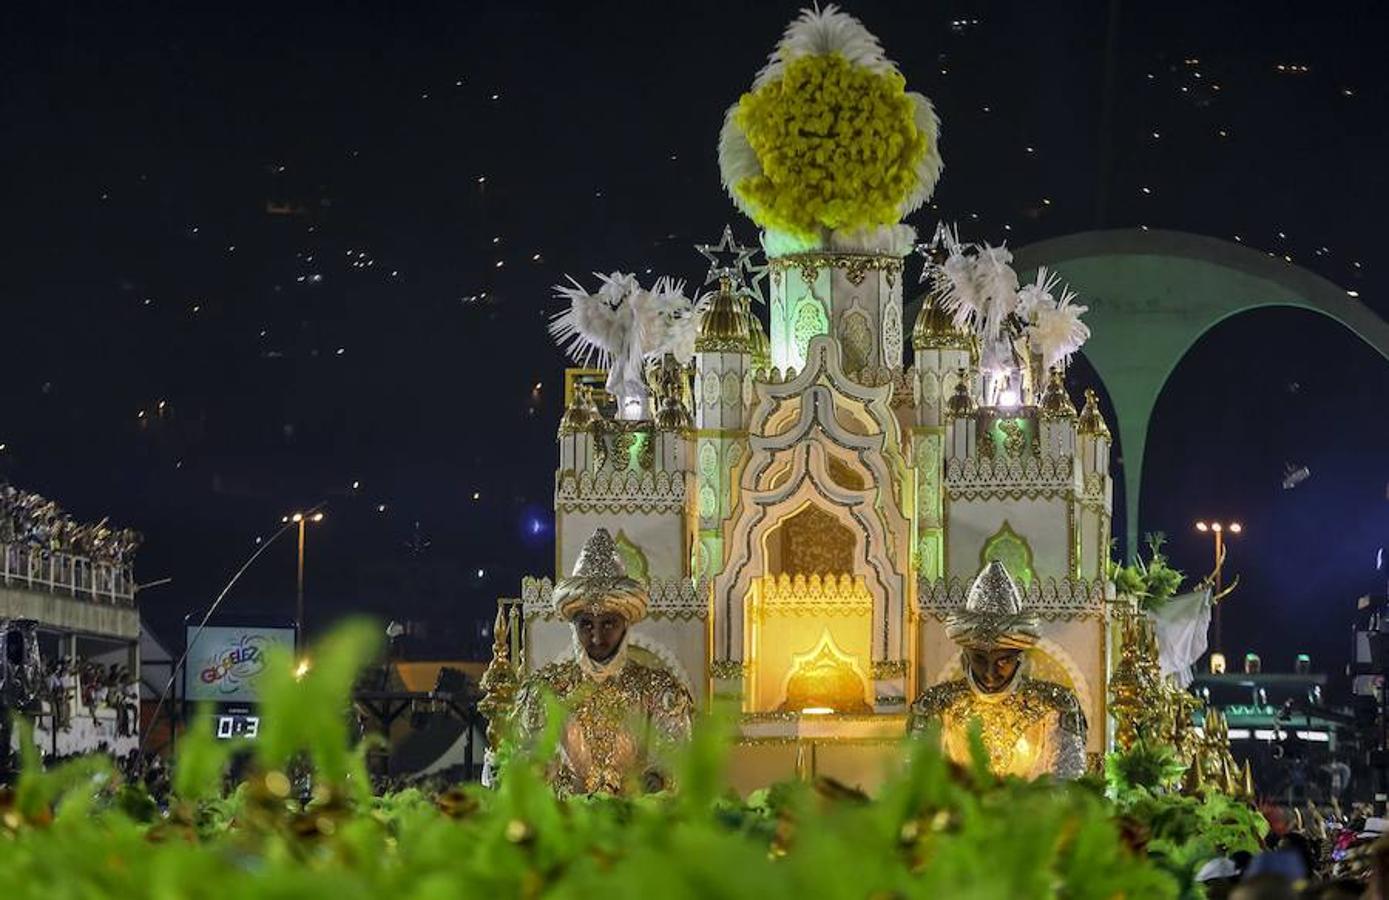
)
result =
(806, 504)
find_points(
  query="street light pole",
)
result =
(1219, 574)
(299, 580)
(302, 519)
(1217, 530)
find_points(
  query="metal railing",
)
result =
(31, 568)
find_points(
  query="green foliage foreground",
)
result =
(934, 831)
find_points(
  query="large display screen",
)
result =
(225, 662)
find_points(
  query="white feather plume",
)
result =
(1037, 294)
(958, 288)
(777, 243)
(928, 170)
(1055, 331)
(737, 160)
(819, 32)
(997, 285)
(591, 328)
(894, 240)
(667, 320)
(623, 324)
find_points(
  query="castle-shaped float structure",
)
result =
(807, 500)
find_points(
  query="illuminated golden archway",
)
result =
(825, 679)
(811, 643)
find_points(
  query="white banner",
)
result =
(1182, 624)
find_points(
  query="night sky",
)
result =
(322, 237)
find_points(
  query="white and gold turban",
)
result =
(993, 615)
(600, 584)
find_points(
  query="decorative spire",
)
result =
(1091, 420)
(668, 383)
(498, 682)
(960, 402)
(1195, 780)
(580, 413)
(724, 326)
(1056, 402)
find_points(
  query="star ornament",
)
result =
(756, 276)
(727, 258)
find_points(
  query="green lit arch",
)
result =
(1153, 294)
(1011, 549)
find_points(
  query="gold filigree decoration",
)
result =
(724, 669)
(886, 669)
(813, 595)
(856, 266)
(856, 338)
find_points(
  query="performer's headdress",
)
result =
(600, 584)
(993, 615)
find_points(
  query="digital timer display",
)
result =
(234, 726)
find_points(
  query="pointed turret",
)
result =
(576, 430)
(722, 357)
(1092, 434)
(1057, 416)
(1056, 402)
(941, 351)
(722, 394)
(668, 385)
(960, 418)
(1092, 423)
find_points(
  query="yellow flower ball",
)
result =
(838, 146)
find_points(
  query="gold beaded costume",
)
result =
(621, 712)
(1030, 727)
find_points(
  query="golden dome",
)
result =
(1091, 420)
(1056, 403)
(759, 348)
(935, 329)
(724, 325)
